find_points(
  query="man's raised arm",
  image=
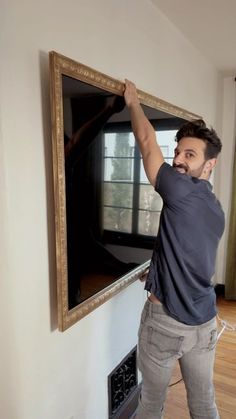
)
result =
(144, 133)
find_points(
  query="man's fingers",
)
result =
(130, 93)
(129, 83)
(143, 277)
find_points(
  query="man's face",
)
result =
(190, 157)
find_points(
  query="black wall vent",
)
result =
(123, 385)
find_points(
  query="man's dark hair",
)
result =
(198, 129)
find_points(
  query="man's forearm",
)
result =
(144, 133)
(142, 128)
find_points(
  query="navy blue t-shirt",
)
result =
(183, 260)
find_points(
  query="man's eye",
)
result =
(189, 155)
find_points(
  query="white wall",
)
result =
(44, 373)
(223, 178)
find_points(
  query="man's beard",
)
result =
(184, 169)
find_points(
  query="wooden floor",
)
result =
(225, 373)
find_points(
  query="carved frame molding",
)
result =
(61, 65)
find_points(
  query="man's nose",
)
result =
(179, 158)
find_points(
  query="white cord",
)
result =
(225, 326)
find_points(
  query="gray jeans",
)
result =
(163, 340)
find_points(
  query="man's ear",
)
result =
(210, 164)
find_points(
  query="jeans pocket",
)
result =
(163, 344)
(142, 321)
(208, 340)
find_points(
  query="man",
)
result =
(179, 317)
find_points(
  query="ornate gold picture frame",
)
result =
(62, 66)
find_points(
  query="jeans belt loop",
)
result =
(150, 309)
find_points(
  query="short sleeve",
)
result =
(172, 185)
